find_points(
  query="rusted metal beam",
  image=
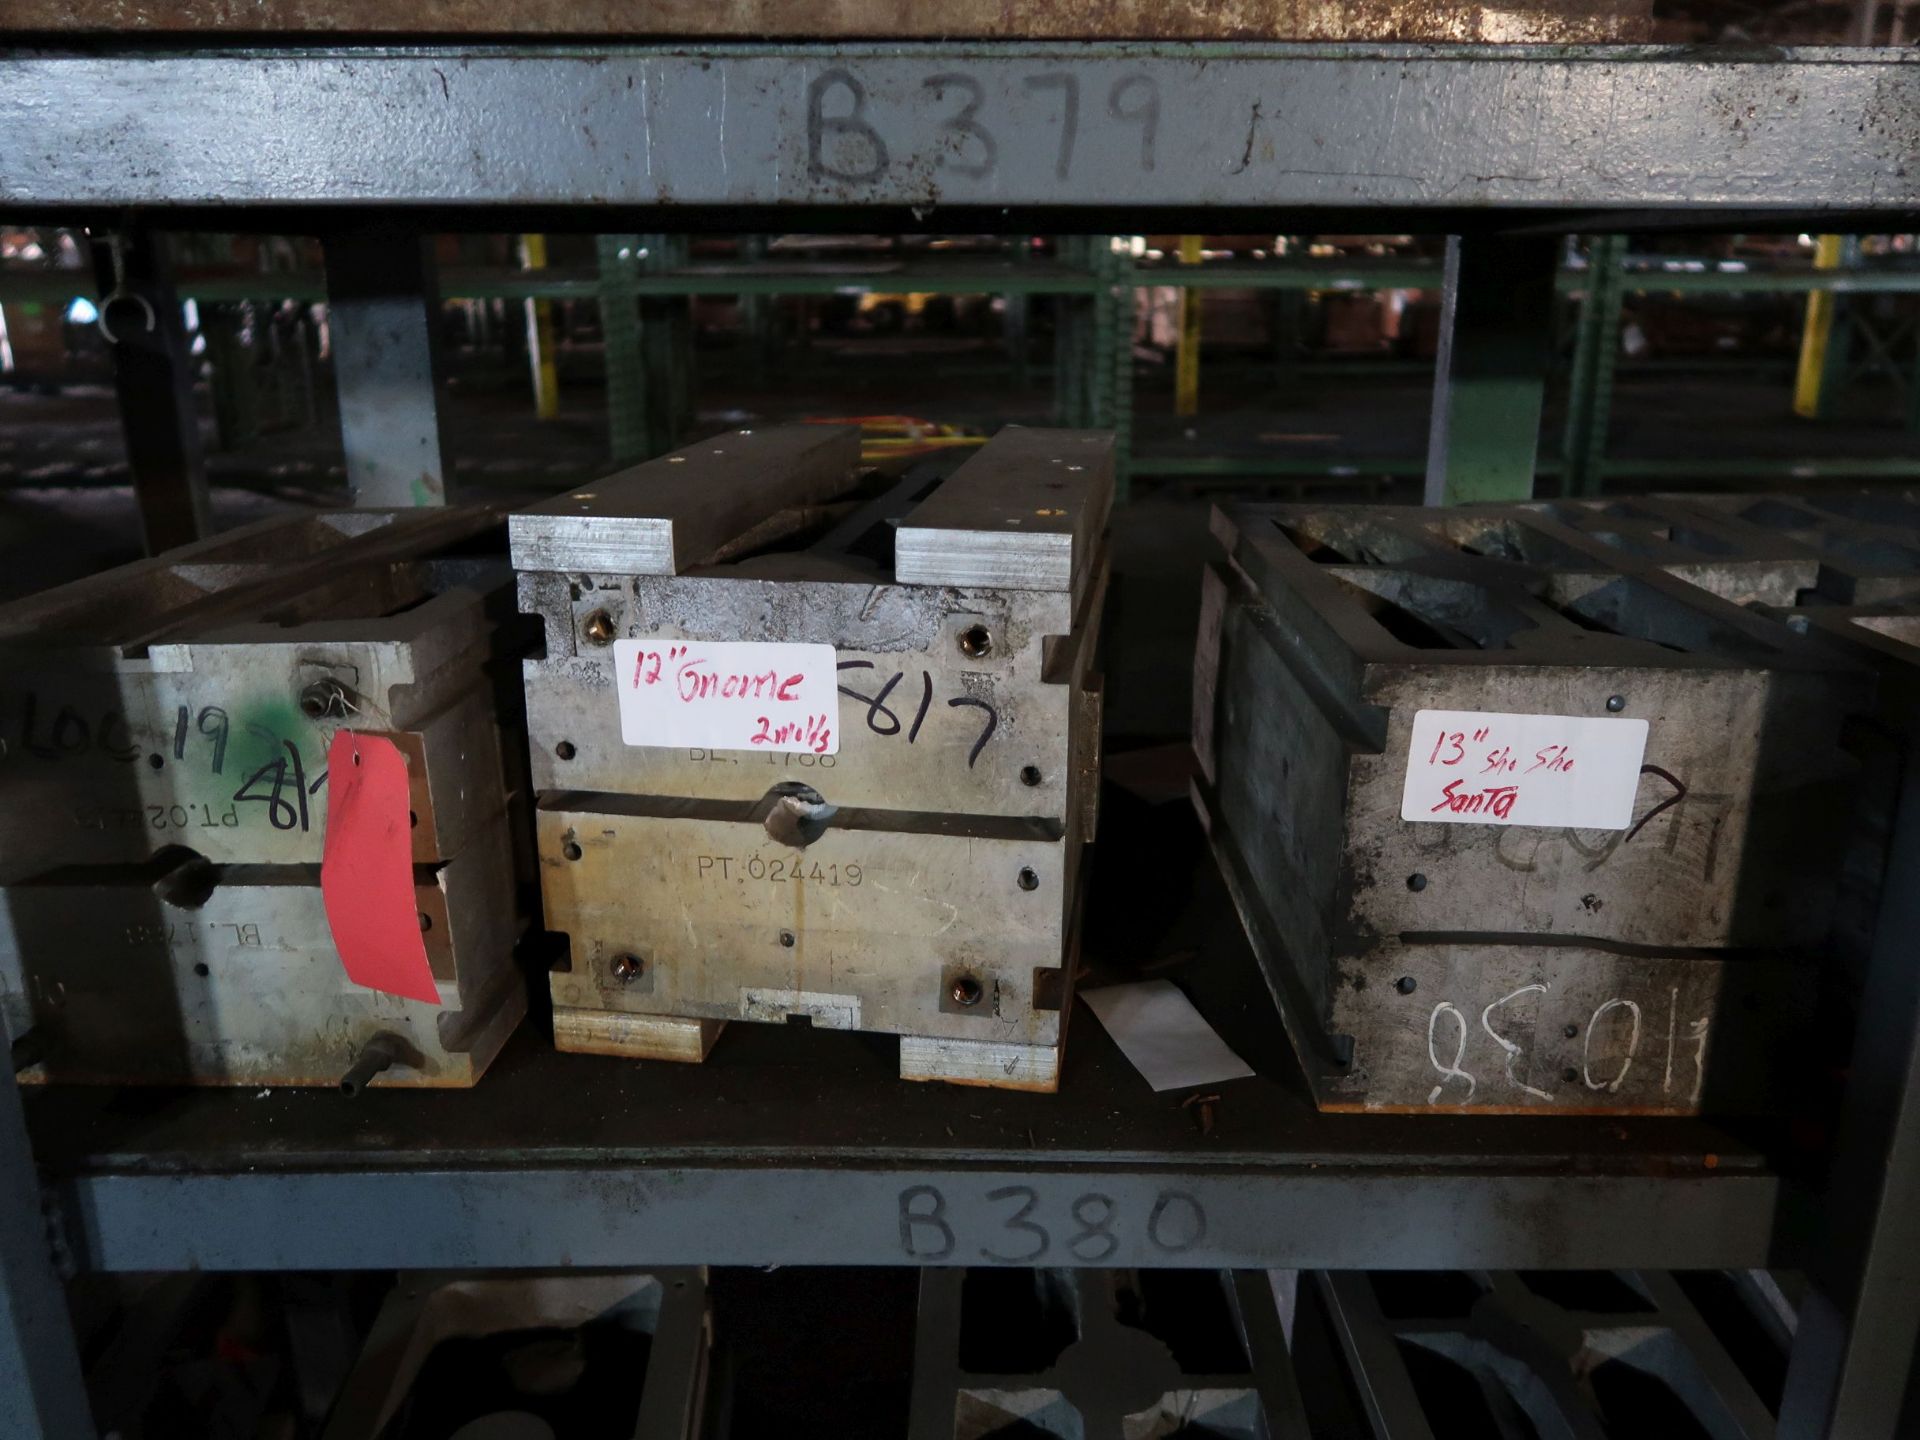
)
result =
(1514, 21)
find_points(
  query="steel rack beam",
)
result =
(1003, 128)
(262, 1184)
(1044, 277)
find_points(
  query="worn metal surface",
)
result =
(176, 972)
(1741, 563)
(669, 1308)
(983, 527)
(1850, 1369)
(1808, 132)
(795, 1145)
(1867, 546)
(1507, 21)
(1541, 1365)
(953, 811)
(1119, 1357)
(163, 803)
(1516, 1028)
(1324, 633)
(896, 645)
(168, 702)
(857, 1212)
(676, 512)
(42, 1391)
(870, 927)
(383, 313)
(1744, 716)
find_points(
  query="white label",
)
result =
(1470, 767)
(728, 695)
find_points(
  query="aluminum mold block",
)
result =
(1324, 632)
(963, 615)
(178, 972)
(189, 700)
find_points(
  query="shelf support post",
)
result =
(153, 381)
(1854, 1347)
(384, 309)
(42, 1392)
(539, 313)
(627, 437)
(1495, 346)
(1596, 346)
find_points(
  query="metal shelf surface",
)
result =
(797, 1146)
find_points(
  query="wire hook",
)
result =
(116, 249)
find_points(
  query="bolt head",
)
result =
(1616, 703)
(598, 628)
(627, 968)
(966, 991)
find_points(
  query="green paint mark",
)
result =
(257, 752)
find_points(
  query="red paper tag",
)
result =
(366, 870)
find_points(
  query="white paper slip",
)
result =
(1476, 767)
(728, 695)
(1157, 1028)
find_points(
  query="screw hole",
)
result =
(1416, 882)
(787, 938)
(570, 850)
(426, 922)
(1570, 1031)
(1569, 1075)
(1028, 880)
(156, 760)
(565, 750)
(413, 820)
(1406, 984)
(324, 697)
(201, 970)
(1029, 774)
(965, 991)
(976, 642)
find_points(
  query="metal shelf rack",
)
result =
(560, 1160)
(802, 1147)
